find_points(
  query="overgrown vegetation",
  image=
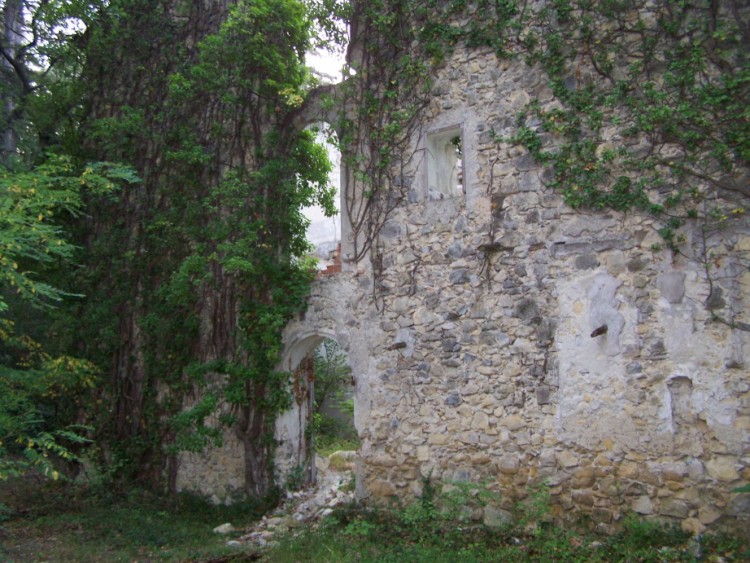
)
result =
(646, 112)
(649, 114)
(206, 243)
(333, 428)
(40, 392)
(62, 521)
(228, 177)
(448, 527)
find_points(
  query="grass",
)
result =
(63, 522)
(423, 533)
(334, 434)
(326, 445)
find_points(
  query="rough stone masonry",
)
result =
(574, 352)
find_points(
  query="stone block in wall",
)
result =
(723, 468)
(526, 162)
(675, 508)
(583, 478)
(543, 395)
(508, 464)
(643, 505)
(583, 498)
(526, 309)
(382, 488)
(672, 286)
(567, 459)
(586, 262)
(495, 517)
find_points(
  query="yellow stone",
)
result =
(723, 468)
(628, 471)
(692, 526)
(381, 488)
(438, 439)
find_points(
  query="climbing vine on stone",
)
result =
(646, 108)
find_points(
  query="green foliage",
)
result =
(535, 509)
(333, 434)
(204, 108)
(642, 540)
(32, 204)
(42, 61)
(191, 433)
(332, 373)
(210, 247)
(668, 134)
(332, 380)
(79, 524)
(40, 393)
(438, 528)
(296, 478)
(647, 113)
(33, 432)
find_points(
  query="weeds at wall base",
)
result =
(353, 534)
(428, 530)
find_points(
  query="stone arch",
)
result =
(338, 309)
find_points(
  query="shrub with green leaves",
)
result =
(40, 393)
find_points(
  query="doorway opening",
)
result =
(332, 427)
(318, 433)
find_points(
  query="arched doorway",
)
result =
(318, 365)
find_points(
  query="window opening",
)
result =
(445, 164)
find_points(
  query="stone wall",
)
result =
(493, 364)
(567, 349)
(216, 474)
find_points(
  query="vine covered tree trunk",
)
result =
(193, 273)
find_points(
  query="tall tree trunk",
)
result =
(11, 88)
(131, 56)
(164, 269)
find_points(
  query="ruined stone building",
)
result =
(570, 347)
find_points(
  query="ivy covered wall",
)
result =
(579, 315)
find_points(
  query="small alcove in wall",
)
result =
(444, 152)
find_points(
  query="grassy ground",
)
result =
(65, 523)
(55, 522)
